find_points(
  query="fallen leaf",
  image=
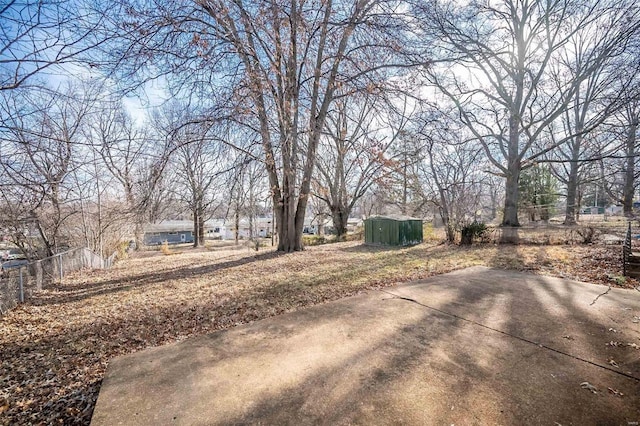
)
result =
(616, 392)
(589, 386)
(57, 346)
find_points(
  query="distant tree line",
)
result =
(466, 111)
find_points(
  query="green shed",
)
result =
(392, 230)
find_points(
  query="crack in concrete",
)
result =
(523, 339)
(599, 296)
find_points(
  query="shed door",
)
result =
(183, 238)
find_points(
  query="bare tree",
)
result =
(501, 59)
(37, 36)
(196, 160)
(353, 154)
(200, 166)
(122, 147)
(598, 97)
(40, 150)
(278, 67)
(450, 170)
(618, 172)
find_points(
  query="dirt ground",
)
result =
(54, 350)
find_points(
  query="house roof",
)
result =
(187, 225)
(170, 226)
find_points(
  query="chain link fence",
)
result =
(18, 284)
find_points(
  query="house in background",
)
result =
(353, 223)
(171, 231)
(215, 229)
(262, 227)
(181, 231)
(318, 225)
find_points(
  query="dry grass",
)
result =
(54, 350)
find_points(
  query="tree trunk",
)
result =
(340, 216)
(570, 216)
(251, 207)
(237, 226)
(289, 231)
(404, 182)
(512, 193)
(448, 226)
(201, 227)
(629, 187)
(510, 217)
(446, 218)
(138, 234)
(494, 205)
(196, 227)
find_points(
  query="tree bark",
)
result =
(237, 226)
(196, 228)
(511, 195)
(340, 216)
(629, 176)
(198, 225)
(570, 216)
(201, 235)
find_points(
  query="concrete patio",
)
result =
(476, 346)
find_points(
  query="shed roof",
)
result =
(399, 218)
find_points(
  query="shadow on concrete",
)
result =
(475, 346)
(509, 373)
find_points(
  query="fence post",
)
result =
(21, 287)
(60, 265)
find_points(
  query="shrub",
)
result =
(587, 233)
(472, 232)
(358, 235)
(164, 248)
(429, 234)
(123, 250)
(255, 244)
(314, 240)
(618, 279)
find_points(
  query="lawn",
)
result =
(54, 350)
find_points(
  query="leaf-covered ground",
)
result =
(55, 349)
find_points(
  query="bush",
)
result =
(429, 234)
(123, 250)
(164, 248)
(255, 244)
(587, 233)
(313, 240)
(472, 232)
(358, 235)
(618, 279)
